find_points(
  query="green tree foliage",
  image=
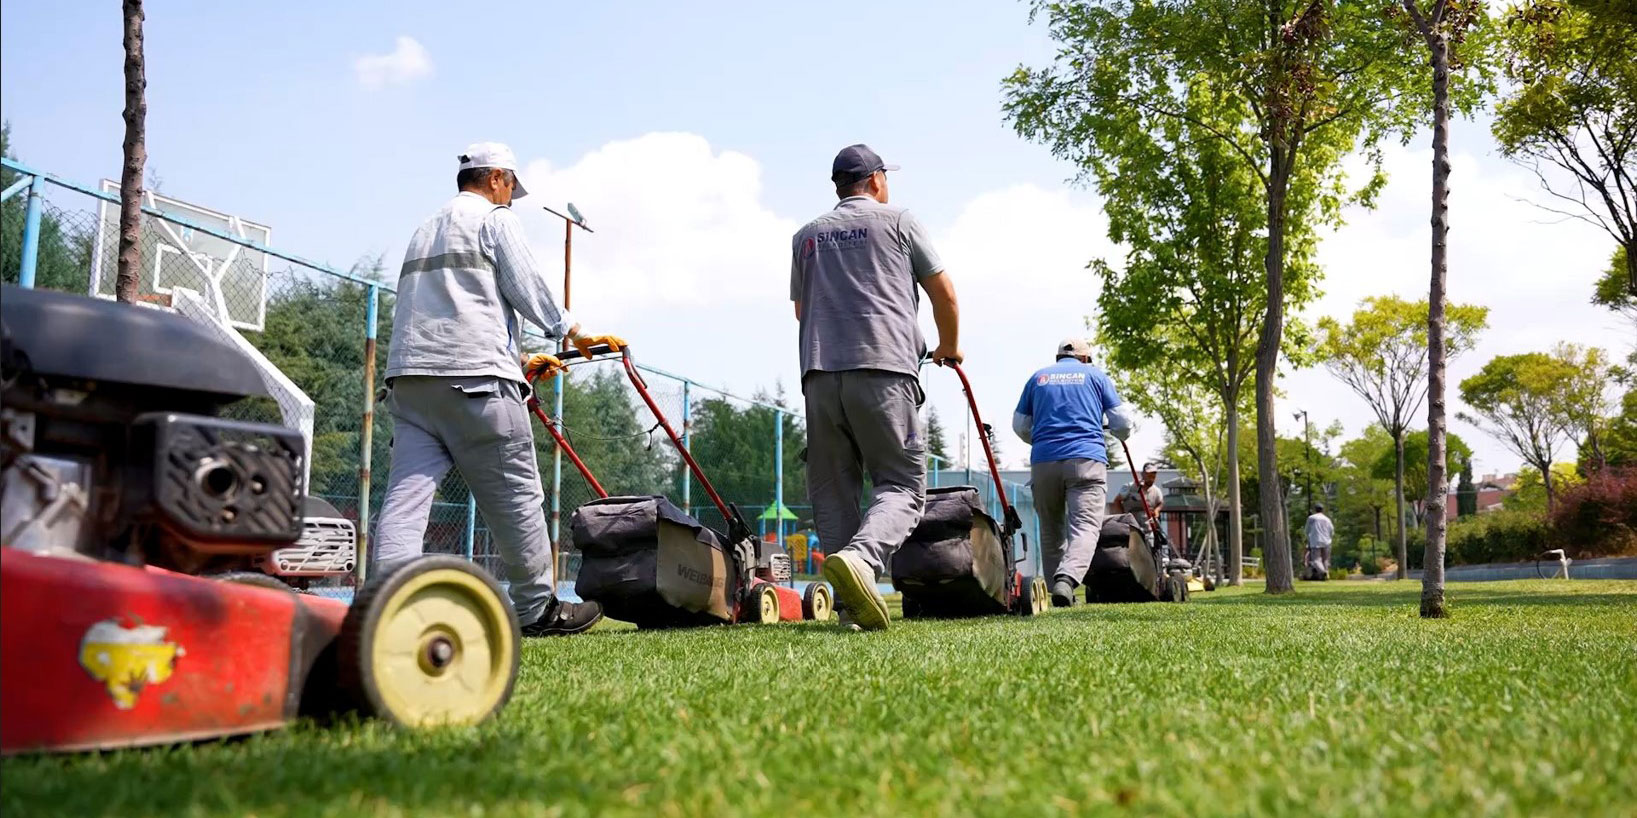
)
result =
(1364, 502)
(63, 257)
(1570, 112)
(1518, 400)
(1415, 466)
(1282, 90)
(735, 446)
(1381, 354)
(602, 423)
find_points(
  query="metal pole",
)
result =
(367, 444)
(31, 233)
(557, 417)
(778, 477)
(471, 524)
(687, 446)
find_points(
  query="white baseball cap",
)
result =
(1074, 346)
(492, 155)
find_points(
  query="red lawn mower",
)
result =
(135, 607)
(650, 563)
(959, 561)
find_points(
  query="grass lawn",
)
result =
(1334, 701)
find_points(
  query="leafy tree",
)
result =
(1284, 87)
(1516, 399)
(1361, 497)
(1530, 492)
(601, 422)
(1382, 355)
(63, 252)
(1571, 108)
(1612, 290)
(735, 445)
(1443, 25)
(1585, 401)
(1414, 466)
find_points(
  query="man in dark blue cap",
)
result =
(853, 278)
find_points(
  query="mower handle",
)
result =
(1012, 521)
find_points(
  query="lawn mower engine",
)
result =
(113, 448)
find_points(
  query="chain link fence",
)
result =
(314, 323)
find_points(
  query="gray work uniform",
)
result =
(854, 270)
(456, 391)
(1069, 496)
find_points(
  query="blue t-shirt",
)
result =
(1067, 401)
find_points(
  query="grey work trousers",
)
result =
(865, 421)
(481, 427)
(1318, 559)
(1071, 491)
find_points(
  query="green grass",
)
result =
(1334, 701)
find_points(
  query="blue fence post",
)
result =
(367, 437)
(687, 445)
(471, 525)
(556, 475)
(778, 477)
(31, 233)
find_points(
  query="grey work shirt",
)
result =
(854, 271)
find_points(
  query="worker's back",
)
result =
(1066, 402)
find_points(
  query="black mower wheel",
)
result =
(1176, 589)
(816, 602)
(1026, 603)
(432, 643)
(911, 608)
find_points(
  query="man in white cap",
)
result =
(1061, 416)
(455, 374)
(854, 274)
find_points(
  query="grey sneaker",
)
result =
(854, 583)
(1063, 593)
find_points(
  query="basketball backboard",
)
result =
(228, 274)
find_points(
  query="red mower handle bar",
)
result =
(557, 435)
(1012, 522)
(730, 516)
(1136, 479)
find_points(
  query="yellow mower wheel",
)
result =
(764, 603)
(432, 643)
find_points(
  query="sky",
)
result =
(696, 138)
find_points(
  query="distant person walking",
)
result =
(853, 277)
(1061, 415)
(1320, 531)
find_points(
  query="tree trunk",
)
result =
(1551, 495)
(1276, 543)
(136, 156)
(1403, 546)
(1432, 563)
(1236, 513)
(1210, 519)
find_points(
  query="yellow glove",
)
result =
(542, 366)
(584, 343)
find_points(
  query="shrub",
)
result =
(1337, 572)
(1369, 566)
(1598, 517)
(1498, 536)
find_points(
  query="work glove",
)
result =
(542, 366)
(584, 343)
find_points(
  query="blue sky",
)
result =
(696, 137)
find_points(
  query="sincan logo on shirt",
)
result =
(844, 239)
(807, 246)
(1060, 379)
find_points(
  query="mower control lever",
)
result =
(573, 354)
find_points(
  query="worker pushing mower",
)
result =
(854, 273)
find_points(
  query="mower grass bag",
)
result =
(954, 564)
(1123, 569)
(647, 562)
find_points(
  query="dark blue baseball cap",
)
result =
(856, 162)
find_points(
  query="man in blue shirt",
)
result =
(1061, 416)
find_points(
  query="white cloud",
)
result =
(409, 61)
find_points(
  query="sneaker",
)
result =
(565, 619)
(854, 583)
